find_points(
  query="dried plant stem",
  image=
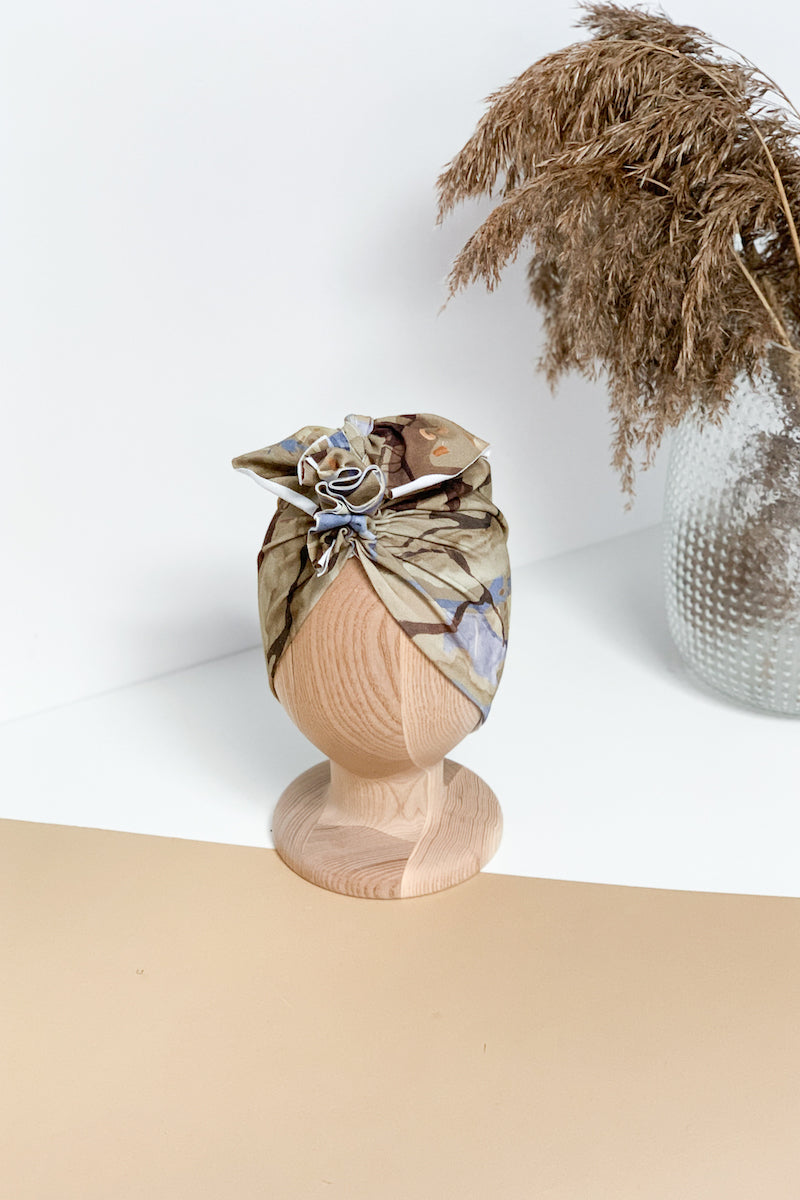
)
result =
(786, 343)
(648, 179)
(776, 88)
(784, 200)
(781, 192)
(775, 172)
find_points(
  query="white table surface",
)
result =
(610, 764)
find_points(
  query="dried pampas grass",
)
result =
(658, 182)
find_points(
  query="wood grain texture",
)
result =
(388, 817)
(461, 834)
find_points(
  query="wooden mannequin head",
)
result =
(362, 692)
(387, 814)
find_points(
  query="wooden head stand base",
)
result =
(389, 816)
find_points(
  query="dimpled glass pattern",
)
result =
(732, 547)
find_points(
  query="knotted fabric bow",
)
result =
(411, 498)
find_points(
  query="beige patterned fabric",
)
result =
(411, 498)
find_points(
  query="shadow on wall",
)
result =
(203, 611)
(624, 605)
(219, 714)
(222, 720)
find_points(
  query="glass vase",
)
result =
(732, 543)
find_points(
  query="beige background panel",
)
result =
(189, 1020)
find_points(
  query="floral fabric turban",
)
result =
(411, 498)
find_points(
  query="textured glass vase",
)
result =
(732, 544)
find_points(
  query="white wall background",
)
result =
(218, 224)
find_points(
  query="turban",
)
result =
(409, 497)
